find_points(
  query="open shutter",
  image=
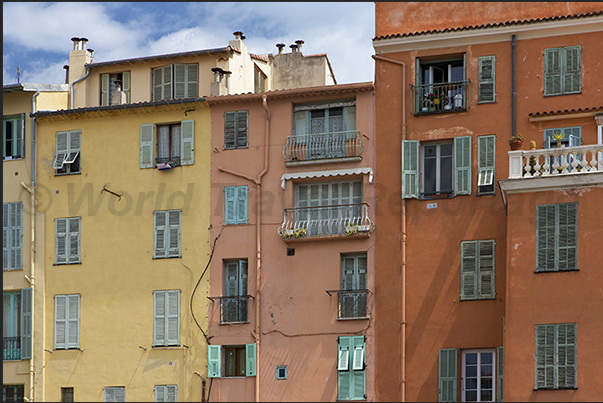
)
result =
(499, 374)
(146, 145)
(6, 207)
(167, 92)
(187, 138)
(349, 118)
(21, 136)
(242, 129)
(74, 146)
(572, 64)
(157, 84)
(159, 336)
(358, 373)
(16, 235)
(462, 165)
(192, 80)
(173, 240)
(61, 149)
(160, 246)
(344, 374)
(486, 283)
(105, 89)
(487, 79)
(486, 164)
(126, 85)
(229, 205)
(60, 322)
(250, 354)
(214, 353)
(229, 130)
(26, 322)
(552, 71)
(241, 215)
(301, 122)
(410, 169)
(73, 321)
(74, 239)
(173, 317)
(60, 228)
(179, 81)
(447, 375)
(469, 269)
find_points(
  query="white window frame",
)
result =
(438, 184)
(162, 393)
(479, 353)
(109, 393)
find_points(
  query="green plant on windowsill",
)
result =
(294, 233)
(351, 229)
(517, 137)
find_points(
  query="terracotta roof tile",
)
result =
(565, 111)
(264, 59)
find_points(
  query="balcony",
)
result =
(12, 348)
(351, 304)
(556, 162)
(323, 148)
(168, 162)
(428, 99)
(233, 309)
(341, 221)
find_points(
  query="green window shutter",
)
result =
(349, 115)
(358, 389)
(26, 322)
(6, 207)
(20, 143)
(159, 318)
(567, 236)
(160, 241)
(486, 283)
(126, 85)
(60, 321)
(545, 237)
(552, 71)
(241, 205)
(469, 267)
(499, 374)
(187, 138)
(229, 130)
(447, 378)
(173, 233)
(230, 205)
(214, 354)
(105, 100)
(60, 228)
(172, 317)
(192, 80)
(410, 169)
(146, 145)
(486, 164)
(301, 122)
(250, 354)
(179, 81)
(73, 321)
(572, 66)
(344, 373)
(242, 129)
(545, 356)
(74, 240)
(13, 241)
(62, 149)
(566, 355)
(462, 165)
(487, 79)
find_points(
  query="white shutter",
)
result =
(179, 81)
(60, 240)
(172, 310)
(192, 80)
(146, 145)
(187, 139)
(157, 84)
(62, 149)
(105, 90)
(6, 236)
(173, 238)
(159, 336)
(60, 321)
(167, 82)
(214, 355)
(126, 85)
(160, 242)
(73, 239)
(358, 359)
(73, 321)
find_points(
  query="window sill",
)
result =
(424, 113)
(568, 388)
(167, 257)
(236, 148)
(65, 264)
(235, 323)
(168, 347)
(558, 95)
(355, 318)
(68, 173)
(19, 269)
(478, 299)
(13, 159)
(555, 271)
(485, 102)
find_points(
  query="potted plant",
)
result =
(446, 102)
(516, 141)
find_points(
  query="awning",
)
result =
(320, 174)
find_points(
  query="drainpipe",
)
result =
(514, 84)
(77, 81)
(202, 386)
(403, 235)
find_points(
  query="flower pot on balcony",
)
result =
(515, 145)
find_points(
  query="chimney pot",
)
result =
(280, 47)
(293, 48)
(238, 34)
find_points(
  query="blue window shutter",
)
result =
(73, 321)
(26, 322)
(159, 318)
(61, 240)
(499, 374)
(349, 118)
(250, 354)
(241, 205)
(17, 235)
(486, 164)
(73, 239)
(172, 317)
(173, 233)
(410, 169)
(146, 145)
(126, 85)
(214, 356)
(344, 373)
(462, 165)
(160, 240)
(60, 322)
(447, 383)
(230, 205)
(187, 138)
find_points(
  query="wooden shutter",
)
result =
(250, 354)
(73, 240)
(192, 80)
(6, 236)
(358, 390)
(60, 322)
(447, 382)
(229, 130)
(179, 81)
(300, 123)
(486, 279)
(499, 374)
(157, 84)
(567, 236)
(486, 164)
(566, 355)
(187, 138)
(160, 241)
(160, 393)
(214, 354)
(167, 92)
(229, 205)
(60, 228)
(242, 129)
(241, 205)
(172, 309)
(146, 145)
(462, 165)
(126, 85)
(12, 239)
(545, 356)
(173, 234)
(159, 336)
(552, 71)
(105, 99)
(26, 322)
(73, 321)
(349, 118)
(469, 269)
(545, 237)
(62, 149)
(487, 79)
(572, 66)
(410, 169)
(344, 375)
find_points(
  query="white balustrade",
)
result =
(556, 161)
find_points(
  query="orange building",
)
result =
(488, 285)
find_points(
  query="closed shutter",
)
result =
(74, 240)
(242, 129)
(410, 169)
(572, 64)
(179, 81)
(159, 336)
(567, 230)
(62, 149)
(126, 85)
(173, 241)
(187, 142)
(499, 374)
(167, 82)
(358, 368)
(250, 354)
(73, 321)
(545, 356)
(552, 71)
(214, 354)
(60, 240)
(16, 236)
(486, 164)
(160, 241)
(486, 284)
(447, 378)
(349, 118)
(26, 322)
(115, 394)
(241, 214)
(469, 270)
(229, 130)
(105, 99)
(172, 309)
(487, 79)
(229, 205)
(192, 80)
(566, 355)
(60, 322)
(462, 165)
(6, 236)
(344, 374)
(157, 84)
(67, 316)
(351, 373)
(160, 393)
(146, 145)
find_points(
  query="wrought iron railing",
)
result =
(307, 147)
(440, 97)
(351, 303)
(12, 348)
(340, 220)
(556, 161)
(233, 309)
(173, 161)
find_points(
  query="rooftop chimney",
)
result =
(293, 48)
(238, 35)
(299, 43)
(79, 43)
(280, 47)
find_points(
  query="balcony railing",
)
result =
(556, 161)
(308, 147)
(440, 97)
(172, 161)
(233, 309)
(351, 303)
(12, 348)
(325, 221)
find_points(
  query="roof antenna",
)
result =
(18, 74)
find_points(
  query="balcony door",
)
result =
(235, 291)
(353, 286)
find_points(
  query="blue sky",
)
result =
(37, 36)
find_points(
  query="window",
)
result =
(236, 129)
(477, 270)
(569, 137)
(176, 81)
(111, 84)
(16, 324)
(353, 286)
(486, 92)
(351, 368)
(166, 318)
(67, 158)
(259, 80)
(14, 137)
(478, 376)
(562, 70)
(12, 236)
(235, 205)
(67, 240)
(238, 360)
(67, 395)
(557, 237)
(556, 356)
(115, 393)
(446, 168)
(66, 322)
(281, 372)
(167, 234)
(441, 84)
(234, 302)
(166, 393)
(13, 393)
(175, 144)
(486, 164)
